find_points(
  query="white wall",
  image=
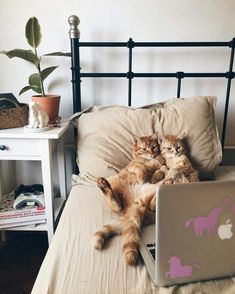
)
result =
(111, 20)
(152, 20)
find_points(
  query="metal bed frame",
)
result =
(77, 75)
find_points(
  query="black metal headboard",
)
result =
(130, 75)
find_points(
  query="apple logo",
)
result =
(224, 231)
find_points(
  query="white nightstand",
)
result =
(21, 145)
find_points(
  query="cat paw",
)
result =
(112, 198)
(168, 181)
(103, 184)
(98, 242)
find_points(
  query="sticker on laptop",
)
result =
(210, 223)
(178, 270)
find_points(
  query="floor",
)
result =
(20, 260)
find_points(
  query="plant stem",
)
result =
(42, 86)
(39, 72)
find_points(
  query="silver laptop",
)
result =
(194, 235)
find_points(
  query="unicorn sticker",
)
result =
(207, 223)
(177, 270)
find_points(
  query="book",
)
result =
(20, 224)
(15, 217)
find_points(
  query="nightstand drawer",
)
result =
(20, 147)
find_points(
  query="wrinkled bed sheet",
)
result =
(72, 266)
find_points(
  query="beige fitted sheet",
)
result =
(72, 266)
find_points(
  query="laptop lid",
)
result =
(195, 232)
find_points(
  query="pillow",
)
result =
(105, 134)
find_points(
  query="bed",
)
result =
(71, 264)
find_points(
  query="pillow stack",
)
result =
(106, 134)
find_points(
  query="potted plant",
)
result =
(50, 103)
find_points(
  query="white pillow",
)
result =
(105, 134)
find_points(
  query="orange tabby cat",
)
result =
(180, 168)
(130, 193)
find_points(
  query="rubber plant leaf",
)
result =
(35, 80)
(26, 88)
(35, 83)
(58, 54)
(47, 71)
(33, 32)
(27, 55)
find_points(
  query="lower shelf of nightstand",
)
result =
(58, 205)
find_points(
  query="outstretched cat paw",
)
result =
(112, 198)
(98, 241)
(103, 184)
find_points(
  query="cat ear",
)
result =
(137, 140)
(154, 136)
(181, 136)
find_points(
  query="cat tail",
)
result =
(132, 223)
(106, 232)
(188, 222)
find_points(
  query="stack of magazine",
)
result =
(28, 215)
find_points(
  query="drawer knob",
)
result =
(3, 147)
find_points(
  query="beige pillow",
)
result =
(105, 134)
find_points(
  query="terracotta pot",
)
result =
(49, 103)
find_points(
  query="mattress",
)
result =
(72, 266)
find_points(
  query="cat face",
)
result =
(146, 147)
(171, 146)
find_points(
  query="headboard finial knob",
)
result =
(74, 32)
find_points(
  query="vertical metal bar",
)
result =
(76, 80)
(74, 34)
(179, 76)
(230, 77)
(130, 45)
(178, 87)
